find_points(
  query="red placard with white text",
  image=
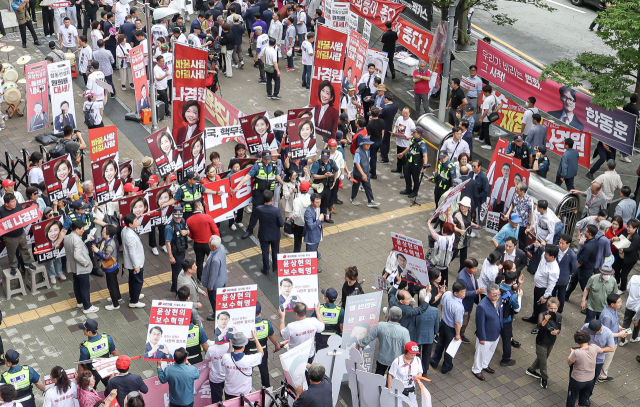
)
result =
(107, 182)
(165, 152)
(221, 207)
(103, 142)
(139, 206)
(378, 12)
(354, 64)
(20, 219)
(413, 252)
(138, 68)
(242, 197)
(60, 178)
(413, 38)
(168, 329)
(297, 279)
(193, 155)
(37, 96)
(235, 311)
(45, 234)
(189, 77)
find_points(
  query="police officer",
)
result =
(324, 176)
(81, 211)
(264, 330)
(444, 175)
(190, 191)
(522, 150)
(416, 162)
(333, 317)
(541, 162)
(511, 303)
(96, 346)
(196, 342)
(23, 378)
(265, 174)
(175, 236)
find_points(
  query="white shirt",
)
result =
(95, 36)
(270, 56)
(633, 301)
(299, 331)
(194, 40)
(53, 398)
(121, 12)
(488, 104)
(122, 51)
(85, 56)
(545, 225)
(238, 373)
(214, 356)
(400, 370)
(302, 17)
(352, 110)
(181, 39)
(337, 158)
(546, 276)
(454, 149)
(561, 254)
(407, 127)
(275, 30)
(95, 110)
(474, 92)
(489, 274)
(300, 204)
(527, 119)
(92, 84)
(262, 42)
(506, 256)
(370, 81)
(157, 31)
(158, 72)
(145, 50)
(307, 53)
(35, 175)
(68, 35)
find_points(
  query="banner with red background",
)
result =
(415, 39)
(238, 306)
(139, 70)
(220, 112)
(356, 52)
(20, 219)
(221, 207)
(36, 75)
(377, 12)
(103, 142)
(189, 77)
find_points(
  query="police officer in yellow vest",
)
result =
(197, 339)
(96, 346)
(23, 378)
(264, 331)
(416, 162)
(81, 211)
(333, 317)
(189, 192)
(265, 174)
(444, 175)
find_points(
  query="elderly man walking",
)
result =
(488, 326)
(133, 260)
(214, 272)
(392, 336)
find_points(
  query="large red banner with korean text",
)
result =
(235, 311)
(356, 52)
(326, 79)
(103, 142)
(297, 279)
(37, 96)
(221, 207)
(168, 329)
(415, 39)
(377, 12)
(20, 219)
(138, 68)
(219, 112)
(616, 128)
(189, 77)
(511, 116)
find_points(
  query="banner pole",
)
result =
(446, 62)
(150, 77)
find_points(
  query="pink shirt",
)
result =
(421, 87)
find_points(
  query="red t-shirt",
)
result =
(201, 227)
(421, 87)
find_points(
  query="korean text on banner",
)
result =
(339, 16)
(193, 155)
(45, 235)
(326, 80)
(156, 216)
(103, 142)
(37, 96)
(219, 112)
(302, 138)
(63, 107)
(378, 12)
(294, 364)
(258, 133)
(615, 128)
(164, 151)
(20, 219)
(139, 206)
(413, 252)
(451, 197)
(235, 311)
(420, 11)
(297, 279)
(107, 182)
(219, 206)
(356, 52)
(415, 39)
(362, 313)
(168, 329)
(214, 136)
(189, 77)
(60, 178)
(136, 55)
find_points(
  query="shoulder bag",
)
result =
(440, 257)
(107, 264)
(493, 116)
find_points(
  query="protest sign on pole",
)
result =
(379, 59)
(37, 96)
(339, 16)
(362, 313)
(60, 178)
(411, 257)
(189, 85)
(103, 142)
(258, 133)
(45, 235)
(294, 364)
(451, 197)
(615, 128)
(164, 151)
(20, 219)
(356, 52)
(352, 22)
(107, 182)
(168, 329)
(139, 70)
(139, 206)
(63, 107)
(297, 279)
(366, 32)
(235, 311)
(194, 155)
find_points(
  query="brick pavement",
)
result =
(52, 337)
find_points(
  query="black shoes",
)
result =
(246, 234)
(515, 343)
(338, 202)
(533, 374)
(465, 339)
(265, 272)
(395, 170)
(329, 221)
(413, 195)
(374, 177)
(543, 383)
(511, 362)
(534, 331)
(211, 317)
(530, 320)
(405, 192)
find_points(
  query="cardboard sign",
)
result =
(60, 178)
(63, 107)
(302, 138)
(362, 313)
(189, 85)
(168, 329)
(221, 207)
(235, 311)
(258, 133)
(506, 176)
(45, 235)
(107, 182)
(165, 152)
(214, 136)
(139, 206)
(297, 279)
(20, 219)
(411, 257)
(103, 142)
(139, 70)
(193, 155)
(37, 96)
(294, 364)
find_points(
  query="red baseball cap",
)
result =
(304, 186)
(153, 179)
(7, 183)
(332, 142)
(128, 187)
(412, 347)
(123, 362)
(172, 177)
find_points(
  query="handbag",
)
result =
(107, 264)
(493, 116)
(288, 226)
(269, 68)
(439, 257)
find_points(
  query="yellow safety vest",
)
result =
(330, 316)
(87, 220)
(193, 342)
(188, 197)
(99, 348)
(265, 180)
(414, 151)
(21, 379)
(445, 182)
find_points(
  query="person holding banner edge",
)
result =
(264, 330)
(188, 193)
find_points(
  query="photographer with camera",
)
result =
(549, 327)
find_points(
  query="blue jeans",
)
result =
(306, 75)
(54, 267)
(591, 315)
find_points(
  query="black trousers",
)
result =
(622, 273)
(23, 32)
(578, 391)
(446, 335)
(386, 146)
(401, 162)
(79, 13)
(463, 255)
(81, 289)
(47, 21)
(366, 185)
(603, 156)
(135, 285)
(152, 236)
(237, 219)
(2, 31)
(381, 369)
(89, 16)
(484, 134)
(113, 287)
(202, 251)
(437, 193)
(392, 67)
(32, 10)
(412, 176)
(582, 277)
(257, 200)
(425, 355)
(560, 291)
(325, 199)
(273, 76)
(162, 95)
(567, 181)
(175, 270)
(275, 248)
(522, 238)
(334, 193)
(217, 391)
(211, 294)
(297, 238)
(506, 334)
(538, 308)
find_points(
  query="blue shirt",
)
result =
(452, 309)
(33, 376)
(315, 167)
(513, 302)
(268, 168)
(609, 318)
(66, 224)
(356, 158)
(524, 146)
(168, 230)
(15, 4)
(603, 339)
(505, 232)
(84, 352)
(180, 378)
(179, 195)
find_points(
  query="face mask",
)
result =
(526, 104)
(606, 277)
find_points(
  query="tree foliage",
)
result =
(611, 78)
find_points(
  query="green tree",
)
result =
(610, 77)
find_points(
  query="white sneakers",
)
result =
(164, 249)
(137, 305)
(62, 277)
(373, 204)
(52, 279)
(92, 309)
(486, 147)
(154, 250)
(233, 226)
(79, 306)
(109, 299)
(111, 307)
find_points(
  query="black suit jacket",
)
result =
(573, 123)
(471, 190)
(271, 221)
(521, 258)
(632, 253)
(387, 114)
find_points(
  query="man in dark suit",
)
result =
(510, 249)
(271, 221)
(568, 99)
(387, 114)
(482, 182)
(568, 262)
(263, 4)
(313, 220)
(111, 43)
(410, 314)
(471, 189)
(586, 261)
(468, 276)
(267, 14)
(39, 119)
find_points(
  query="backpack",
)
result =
(354, 143)
(88, 118)
(59, 149)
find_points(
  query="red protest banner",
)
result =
(138, 68)
(415, 39)
(326, 80)
(219, 112)
(235, 311)
(108, 184)
(20, 219)
(164, 151)
(168, 329)
(37, 96)
(189, 77)
(356, 52)
(377, 12)
(103, 142)
(221, 207)
(297, 279)
(193, 155)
